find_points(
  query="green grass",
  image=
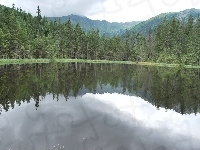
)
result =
(30, 61)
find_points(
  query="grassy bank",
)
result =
(30, 61)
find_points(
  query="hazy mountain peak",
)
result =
(104, 27)
(184, 15)
(191, 10)
(144, 26)
(116, 28)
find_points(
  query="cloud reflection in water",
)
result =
(98, 121)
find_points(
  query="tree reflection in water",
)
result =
(170, 88)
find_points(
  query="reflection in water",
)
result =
(102, 111)
(170, 88)
(98, 121)
(1, 107)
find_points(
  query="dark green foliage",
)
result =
(177, 41)
(25, 36)
(170, 88)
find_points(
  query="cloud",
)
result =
(98, 121)
(110, 10)
(57, 7)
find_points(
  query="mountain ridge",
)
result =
(153, 22)
(104, 27)
(119, 28)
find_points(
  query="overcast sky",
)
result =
(110, 10)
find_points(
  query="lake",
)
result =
(83, 106)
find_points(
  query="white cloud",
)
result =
(111, 10)
(55, 7)
(113, 119)
(137, 10)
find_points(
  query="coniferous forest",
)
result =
(169, 88)
(25, 36)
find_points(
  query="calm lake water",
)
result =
(76, 106)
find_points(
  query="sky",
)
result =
(109, 121)
(110, 10)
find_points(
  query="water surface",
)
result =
(98, 106)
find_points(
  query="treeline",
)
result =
(170, 88)
(178, 42)
(109, 29)
(25, 36)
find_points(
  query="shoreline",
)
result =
(31, 61)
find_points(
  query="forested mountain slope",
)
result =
(104, 27)
(152, 23)
(25, 36)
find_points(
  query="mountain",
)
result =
(114, 28)
(104, 27)
(144, 26)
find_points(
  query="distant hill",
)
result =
(105, 27)
(143, 26)
(114, 28)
